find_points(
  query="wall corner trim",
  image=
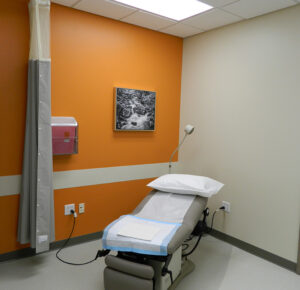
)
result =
(298, 263)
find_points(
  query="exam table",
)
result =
(135, 270)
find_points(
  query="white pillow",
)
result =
(187, 184)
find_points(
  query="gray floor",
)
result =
(219, 266)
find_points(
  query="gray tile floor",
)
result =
(219, 266)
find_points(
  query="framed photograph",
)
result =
(134, 110)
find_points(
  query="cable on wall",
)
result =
(100, 253)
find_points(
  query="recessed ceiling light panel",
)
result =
(174, 9)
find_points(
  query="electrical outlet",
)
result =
(81, 208)
(226, 204)
(68, 208)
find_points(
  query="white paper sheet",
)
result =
(167, 207)
(139, 231)
(158, 245)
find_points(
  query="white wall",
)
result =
(241, 89)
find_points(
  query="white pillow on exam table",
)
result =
(187, 184)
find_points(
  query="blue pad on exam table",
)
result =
(152, 228)
(154, 240)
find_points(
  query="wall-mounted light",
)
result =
(188, 130)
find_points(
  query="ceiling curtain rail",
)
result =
(36, 211)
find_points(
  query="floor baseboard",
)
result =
(28, 252)
(255, 250)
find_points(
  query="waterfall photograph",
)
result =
(134, 110)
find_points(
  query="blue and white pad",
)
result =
(134, 234)
(149, 231)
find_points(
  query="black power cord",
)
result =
(200, 228)
(99, 254)
(194, 248)
(213, 218)
(204, 229)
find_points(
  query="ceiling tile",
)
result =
(148, 20)
(212, 19)
(181, 30)
(105, 8)
(65, 2)
(218, 3)
(252, 8)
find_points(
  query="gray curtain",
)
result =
(36, 213)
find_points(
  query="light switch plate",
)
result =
(81, 208)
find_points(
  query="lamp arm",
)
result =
(177, 148)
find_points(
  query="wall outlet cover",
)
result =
(68, 208)
(226, 204)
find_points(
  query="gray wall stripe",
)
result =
(10, 185)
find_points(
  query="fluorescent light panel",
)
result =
(174, 9)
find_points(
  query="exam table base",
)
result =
(187, 268)
(115, 278)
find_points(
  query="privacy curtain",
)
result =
(36, 213)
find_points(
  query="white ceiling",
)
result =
(223, 13)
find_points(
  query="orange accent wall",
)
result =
(103, 204)
(14, 51)
(90, 56)
(9, 212)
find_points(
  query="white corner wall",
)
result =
(241, 90)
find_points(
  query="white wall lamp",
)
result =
(188, 130)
